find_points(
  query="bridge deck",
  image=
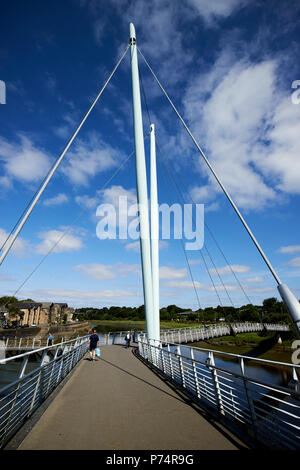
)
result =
(117, 403)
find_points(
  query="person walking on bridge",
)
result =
(94, 342)
(50, 339)
(127, 339)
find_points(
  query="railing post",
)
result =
(181, 366)
(61, 365)
(162, 358)
(195, 374)
(21, 374)
(73, 355)
(216, 382)
(170, 360)
(249, 398)
(53, 366)
(37, 382)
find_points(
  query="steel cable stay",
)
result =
(204, 261)
(214, 173)
(205, 247)
(206, 226)
(30, 206)
(183, 200)
(214, 239)
(286, 294)
(182, 244)
(72, 224)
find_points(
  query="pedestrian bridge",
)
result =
(179, 335)
(150, 396)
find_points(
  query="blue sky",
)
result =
(229, 67)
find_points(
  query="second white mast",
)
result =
(141, 184)
(154, 235)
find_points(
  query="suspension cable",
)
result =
(210, 232)
(205, 264)
(215, 175)
(71, 226)
(185, 254)
(184, 251)
(49, 175)
(183, 200)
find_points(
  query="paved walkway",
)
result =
(117, 403)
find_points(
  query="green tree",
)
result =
(249, 313)
(5, 300)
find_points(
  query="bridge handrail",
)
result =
(42, 349)
(264, 412)
(241, 356)
(19, 399)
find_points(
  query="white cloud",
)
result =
(212, 10)
(86, 201)
(249, 129)
(289, 249)
(23, 161)
(255, 279)
(78, 295)
(166, 272)
(68, 243)
(121, 199)
(106, 272)
(112, 195)
(20, 246)
(194, 261)
(96, 271)
(61, 198)
(233, 118)
(87, 158)
(294, 262)
(5, 182)
(64, 131)
(135, 246)
(262, 290)
(158, 31)
(204, 287)
(280, 160)
(236, 268)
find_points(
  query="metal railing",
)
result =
(19, 399)
(179, 335)
(24, 343)
(36, 342)
(265, 414)
(186, 335)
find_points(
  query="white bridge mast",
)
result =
(142, 193)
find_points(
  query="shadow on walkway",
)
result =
(181, 397)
